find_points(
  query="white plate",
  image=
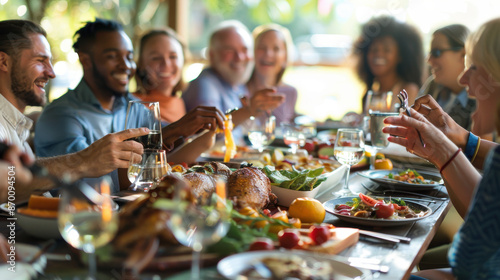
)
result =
(330, 207)
(24, 271)
(378, 177)
(231, 267)
(287, 196)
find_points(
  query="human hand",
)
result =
(13, 165)
(430, 109)
(201, 117)
(403, 131)
(111, 152)
(265, 100)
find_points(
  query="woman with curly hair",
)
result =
(390, 58)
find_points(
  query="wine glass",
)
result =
(293, 136)
(348, 150)
(201, 223)
(261, 132)
(378, 138)
(87, 219)
(146, 173)
(145, 114)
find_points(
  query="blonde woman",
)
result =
(272, 55)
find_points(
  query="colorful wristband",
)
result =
(477, 150)
(450, 160)
(470, 148)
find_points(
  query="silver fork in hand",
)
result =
(403, 99)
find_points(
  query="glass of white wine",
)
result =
(261, 132)
(146, 173)
(348, 150)
(293, 136)
(199, 224)
(88, 220)
(145, 114)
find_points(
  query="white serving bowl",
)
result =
(45, 228)
(287, 196)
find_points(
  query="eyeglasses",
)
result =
(437, 52)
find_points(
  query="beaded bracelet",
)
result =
(477, 150)
(471, 147)
(450, 160)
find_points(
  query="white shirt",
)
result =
(14, 126)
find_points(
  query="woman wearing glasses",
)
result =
(446, 61)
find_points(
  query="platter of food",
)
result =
(278, 264)
(378, 211)
(404, 179)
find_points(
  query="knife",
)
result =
(402, 239)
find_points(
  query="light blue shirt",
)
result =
(209, 89)
(76, 120)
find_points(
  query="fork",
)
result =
(429, 199)
(403, 99)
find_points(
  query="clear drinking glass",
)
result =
(293, 136)
(88, 220)
(197, 225)
(145, 114)
(348, 150)
(378, 138)
(261, 132)
(146, 173)
(378, 102)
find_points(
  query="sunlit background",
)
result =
(323, 31)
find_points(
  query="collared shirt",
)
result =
(209, 89)
(14, 126)
(76, 120)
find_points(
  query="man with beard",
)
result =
(98, 105)
(25, 69)
(222, 84)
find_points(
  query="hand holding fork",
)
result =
(403, 99)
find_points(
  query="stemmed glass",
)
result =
(87, 219)
(201, 223)
(145, 174)
(145, 114)
(261, 132)
(378, 139)
(293, 136)
(348, 150)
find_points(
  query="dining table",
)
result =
(385, 260)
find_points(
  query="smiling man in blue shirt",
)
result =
(98, 105)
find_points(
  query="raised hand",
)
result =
(201, 117)
(403, 131)
(265, 100)
(430, 109)
(110, 152)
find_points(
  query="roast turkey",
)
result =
(251, 187)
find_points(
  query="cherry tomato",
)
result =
(266, 212)
(319, 234)
(384, 210)
(368, 200)
(288, 238)
(262, 243)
